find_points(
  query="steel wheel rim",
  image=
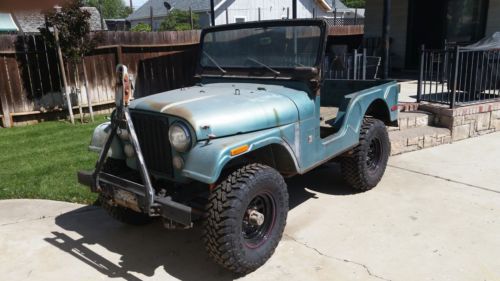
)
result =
(256, 235)
(374, 155)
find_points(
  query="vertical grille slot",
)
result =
(152, 132)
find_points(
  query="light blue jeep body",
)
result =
(280, 119)
(260, 114)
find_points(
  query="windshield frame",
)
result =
(284, 72)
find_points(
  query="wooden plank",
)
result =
(4, 88)
(344, 30)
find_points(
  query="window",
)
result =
(275, 46)
(239, 19)
(465, 20)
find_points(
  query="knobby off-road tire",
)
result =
(364, 167)
(231, 237)
(121, 214)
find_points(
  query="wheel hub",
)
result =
(255, 217)
(258, 220)
(374, 154)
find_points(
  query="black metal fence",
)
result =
(459, 76)
(352, 66)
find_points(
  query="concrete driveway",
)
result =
(435, 216)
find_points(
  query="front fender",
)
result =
(99, 138)
(206, 160)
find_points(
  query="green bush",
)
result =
(141, 27)
(180, 20)
(354, 3)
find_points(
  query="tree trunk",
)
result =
(63, 76)
(89, 96)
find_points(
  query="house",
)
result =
(158, 11)
(30, 21)
(7, 24)
(432, 23)
(232, 11)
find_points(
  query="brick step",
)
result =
(408, 106)
(416, 138)
(413, 119)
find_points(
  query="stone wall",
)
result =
(468, 121)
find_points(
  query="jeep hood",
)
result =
(223, 109)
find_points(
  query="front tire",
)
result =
(125, 215)
(246, 217)
(364, 167)
(119, 213)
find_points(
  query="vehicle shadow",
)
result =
(325, 179)
(147, 249)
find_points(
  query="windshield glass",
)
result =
(263, 47)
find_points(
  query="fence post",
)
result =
(356, 16)
(119, 54)
(421, 74)
(455, 77)
(259, 15)
(5, 112)
(355, 57)
(191, 17)
(335, 16)
(151, 21)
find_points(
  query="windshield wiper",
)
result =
(264, 65)
(214, 62)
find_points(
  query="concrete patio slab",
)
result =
(434, 216)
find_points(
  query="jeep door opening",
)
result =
(218, 152)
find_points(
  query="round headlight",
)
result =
(179, 137)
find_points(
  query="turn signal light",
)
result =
(239, 150)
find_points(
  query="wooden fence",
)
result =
(30, 83)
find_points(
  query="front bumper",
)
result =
(115, 187)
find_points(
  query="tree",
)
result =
(354, 3)
(180, 20)
(110, 9)
(68, 30)
(73, 25)
(141, 27)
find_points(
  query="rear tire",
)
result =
(246, 217)
(364, 167)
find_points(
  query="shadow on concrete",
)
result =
(179, 252)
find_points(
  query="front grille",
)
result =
(152, 132)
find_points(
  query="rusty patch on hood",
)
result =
(156, 106)
(180, 112)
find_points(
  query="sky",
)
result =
(135, 3)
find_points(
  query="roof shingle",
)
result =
(31, 21)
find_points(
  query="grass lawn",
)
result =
(41, 161)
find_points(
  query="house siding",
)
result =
(399, 22)
(493, 21)
(269, 9)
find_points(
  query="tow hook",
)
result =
(255, 217)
